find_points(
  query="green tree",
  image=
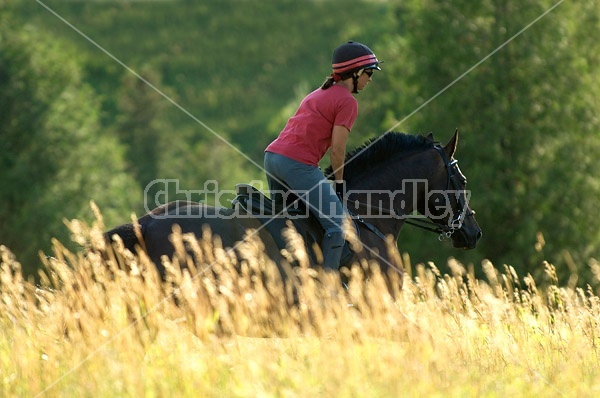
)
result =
(54, 158)
(138, 125)
(529, 130)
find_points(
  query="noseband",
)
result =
(444, 231)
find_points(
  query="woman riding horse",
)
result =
(323, 121)
(388, 179)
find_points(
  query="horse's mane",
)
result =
(379, 150)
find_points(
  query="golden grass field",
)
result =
(89, 328)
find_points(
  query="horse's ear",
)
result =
(430, 136)
(450, 147)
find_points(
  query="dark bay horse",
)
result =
(388, 181)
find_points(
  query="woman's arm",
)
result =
(337, 153)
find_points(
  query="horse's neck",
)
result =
(399, 191)
(396, 190)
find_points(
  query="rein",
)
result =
(443, 231)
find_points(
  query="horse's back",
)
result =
(196, 218)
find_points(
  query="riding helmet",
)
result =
(351, 57)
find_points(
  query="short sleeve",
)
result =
(346, 112)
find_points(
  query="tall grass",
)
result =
(104, 324)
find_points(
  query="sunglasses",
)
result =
(369, 72)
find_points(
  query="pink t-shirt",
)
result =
(307, 135)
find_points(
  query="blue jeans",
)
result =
(311, 186)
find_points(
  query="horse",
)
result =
(390, 180)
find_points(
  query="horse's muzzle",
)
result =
(467, 238)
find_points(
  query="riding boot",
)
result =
(332, 245)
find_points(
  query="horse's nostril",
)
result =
(479, 234)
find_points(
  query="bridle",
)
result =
(444, 231)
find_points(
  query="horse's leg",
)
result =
(388, 258)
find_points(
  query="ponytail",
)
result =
(333, 78)
(327, 83)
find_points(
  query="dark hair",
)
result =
(334, 77)
(327, 83)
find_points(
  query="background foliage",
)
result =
(76, 125)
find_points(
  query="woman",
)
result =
(322, 122)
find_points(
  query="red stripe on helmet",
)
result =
(355, 63)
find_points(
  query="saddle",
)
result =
(275, 217)
(255, 202)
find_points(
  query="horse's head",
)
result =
(447, 199)
(396, 174)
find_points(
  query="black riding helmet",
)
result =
(350, 58)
